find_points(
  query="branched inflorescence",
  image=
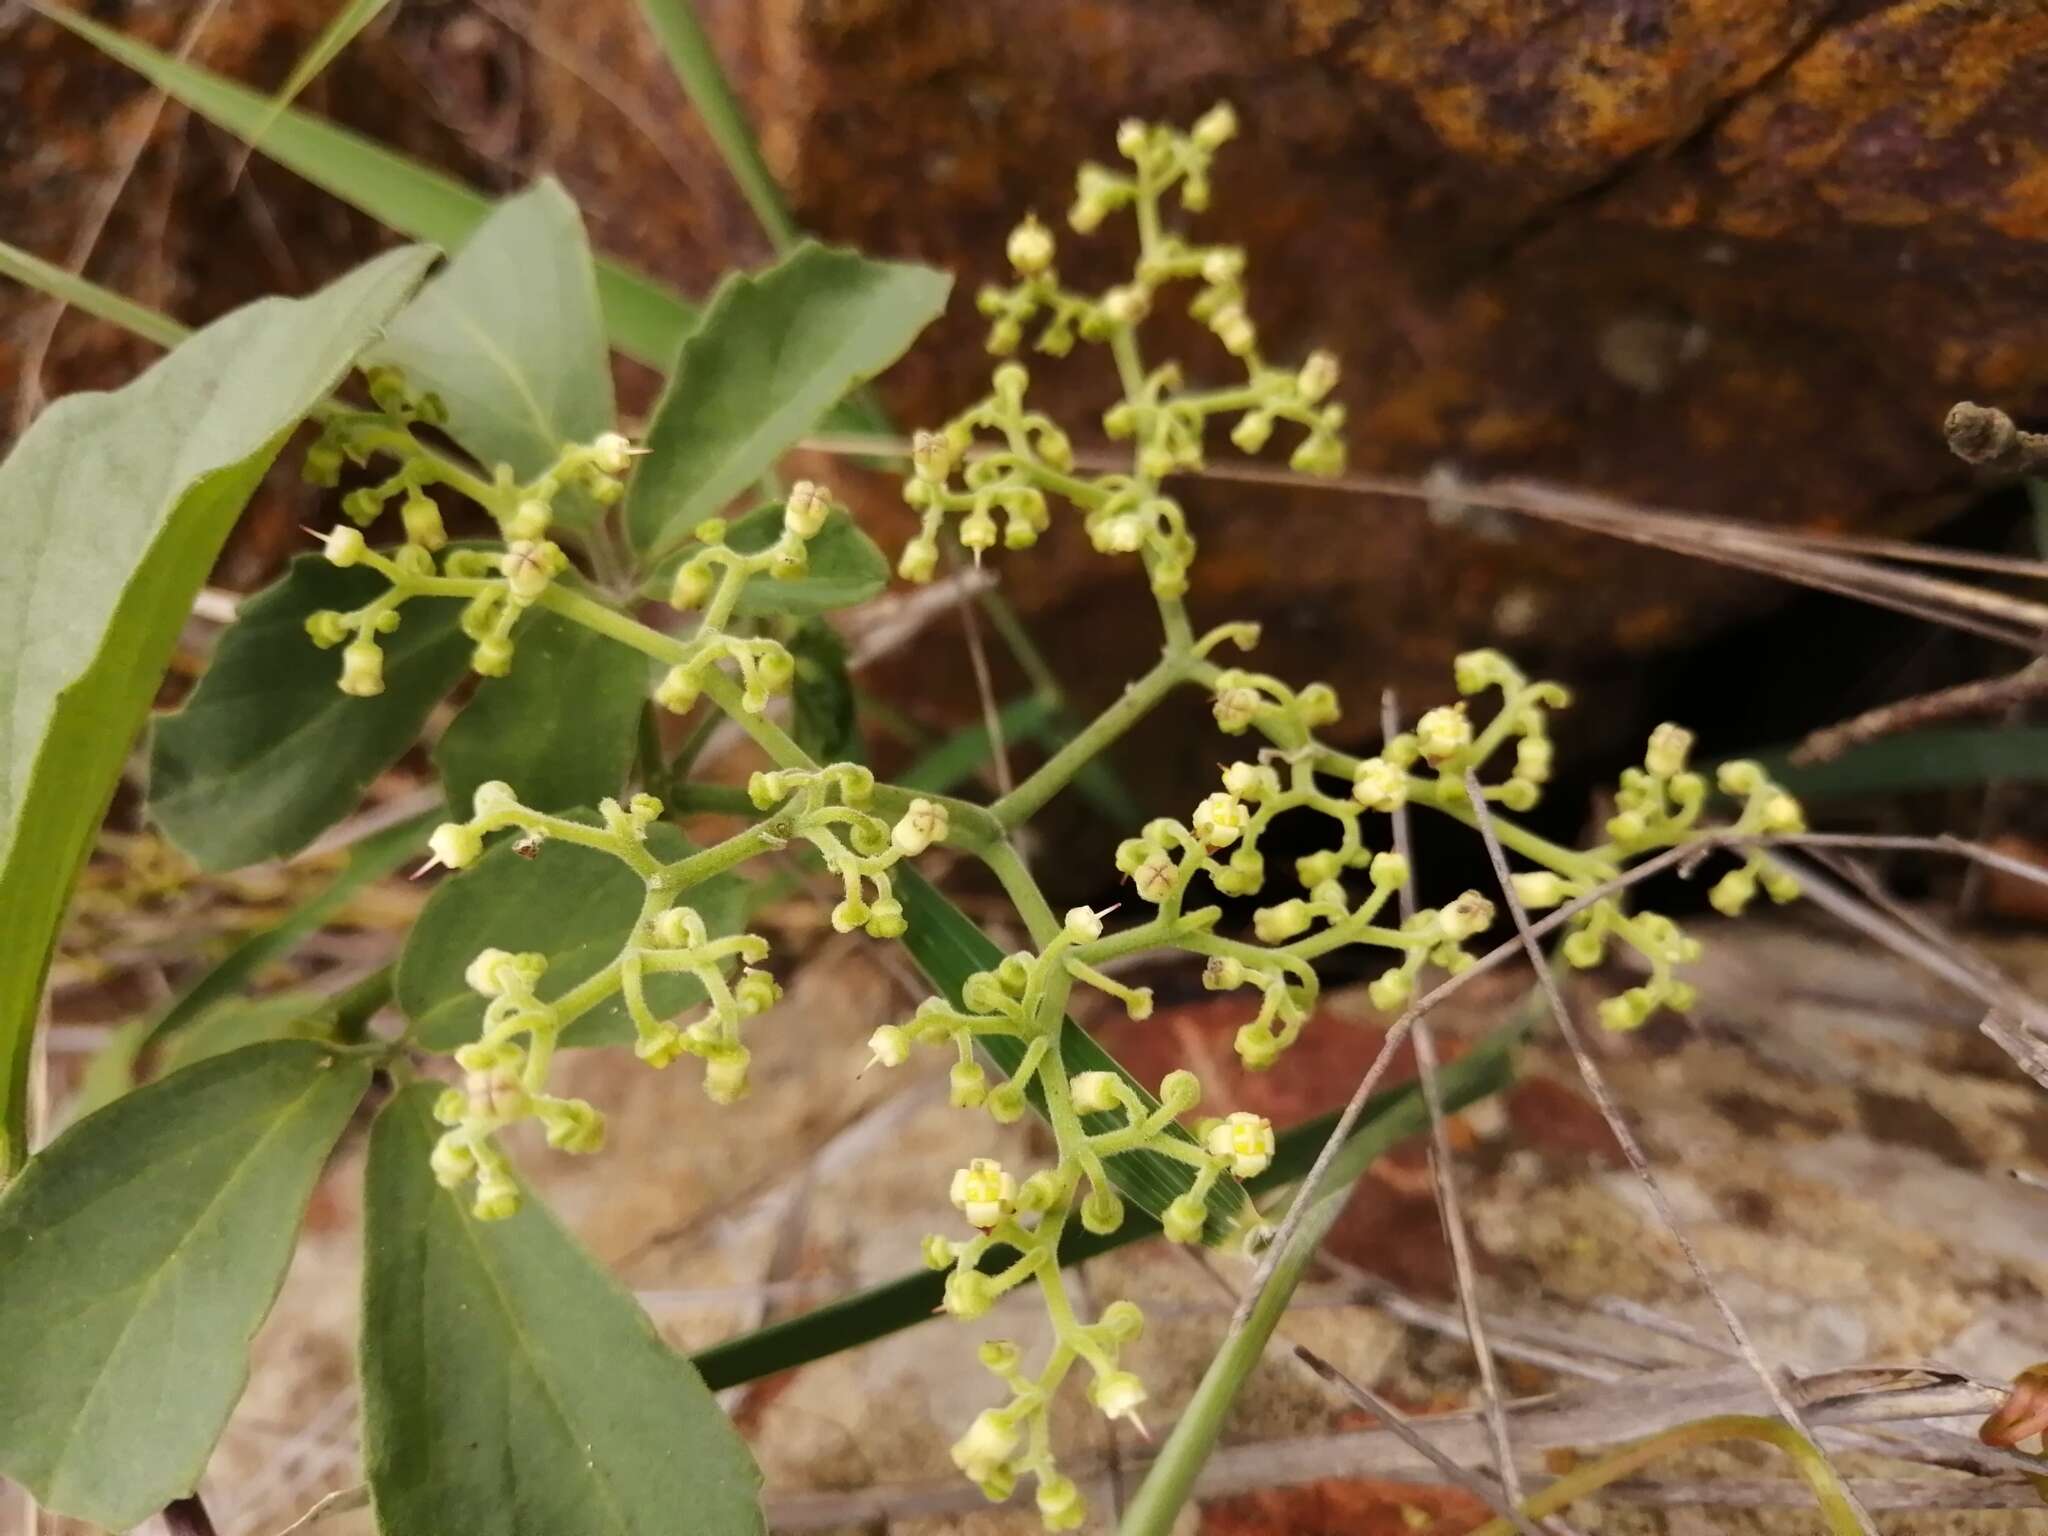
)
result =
(996, 473)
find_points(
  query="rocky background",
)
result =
(1729, 256)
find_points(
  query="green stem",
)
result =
(1138, 700)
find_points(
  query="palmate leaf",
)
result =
(139, 1254)
(115, 506)
(948, 948)
(268, 752)
(567, 1412)
(773, 352)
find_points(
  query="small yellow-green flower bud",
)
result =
(452, 1161)
(1095, 1093)
(1117, 1393)
(1670, 746)
(756, 992)
(1317, 378)
(422, 521)
(456, 844)
(889, 1046)
(1184, 1219)
(678, 690)
(496, 1202)
(1102, 1212)
(1278, 924)
(923, 823)
(1733, 892)
(529, 521)
(1215, 127)
(983, 1192)
(1251, 781)
(1390, 990)
(725, 1076)
(326, 628)
(805, 511)
(1443, 732)
(1471, 914)
(1222, 973)
(1060, 1505)
(1245, 1140)
(528, 565)
(1740, 777)
(1219, 820)
(1083, 925)
(967, 1087)
(1379, 785)
(1030, 247)
(362, 669)
(1780, 885)
(1156, 878)
(611, 452)
(1234, 328)
(1388, 871)
(492, 656)
(1234, 708)
(1316, 869)
(1534, 756)
(1583, 949)
(344, 546)
(986, 1447)
(1538, 889)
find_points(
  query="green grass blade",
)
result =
(674, 24)
(644, 319)
(1388, 1119)
(1939, 759)
(88, 297)
(346, 25)
(953, 761)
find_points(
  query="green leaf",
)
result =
(560, 728)
(575, 905)
(269, 752)
(948, 948)
(845, 567)
(510, 337)
(1389, 1118)
(643, 318)
(369, 860)
(510, 1386)
(91, 298)
(234, 1023)
(823, 724)
(1959, 758)
(774, 351)
(116, 505)
(139, 1254)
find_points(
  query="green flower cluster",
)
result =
(996, 473)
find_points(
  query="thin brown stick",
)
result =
(984, 685)
(1624, 1135)
(1982, 697)
(1801, 558)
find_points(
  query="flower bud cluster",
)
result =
(1017, 1225)
(827, 809)
(713, 577)
(1003, 485)
(507, 1064)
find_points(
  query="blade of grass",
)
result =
(1940, 759)
(949, 764)
(644, 319)
(675, 27)
(89, 297)
(345, 26)
(1389, 1118)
